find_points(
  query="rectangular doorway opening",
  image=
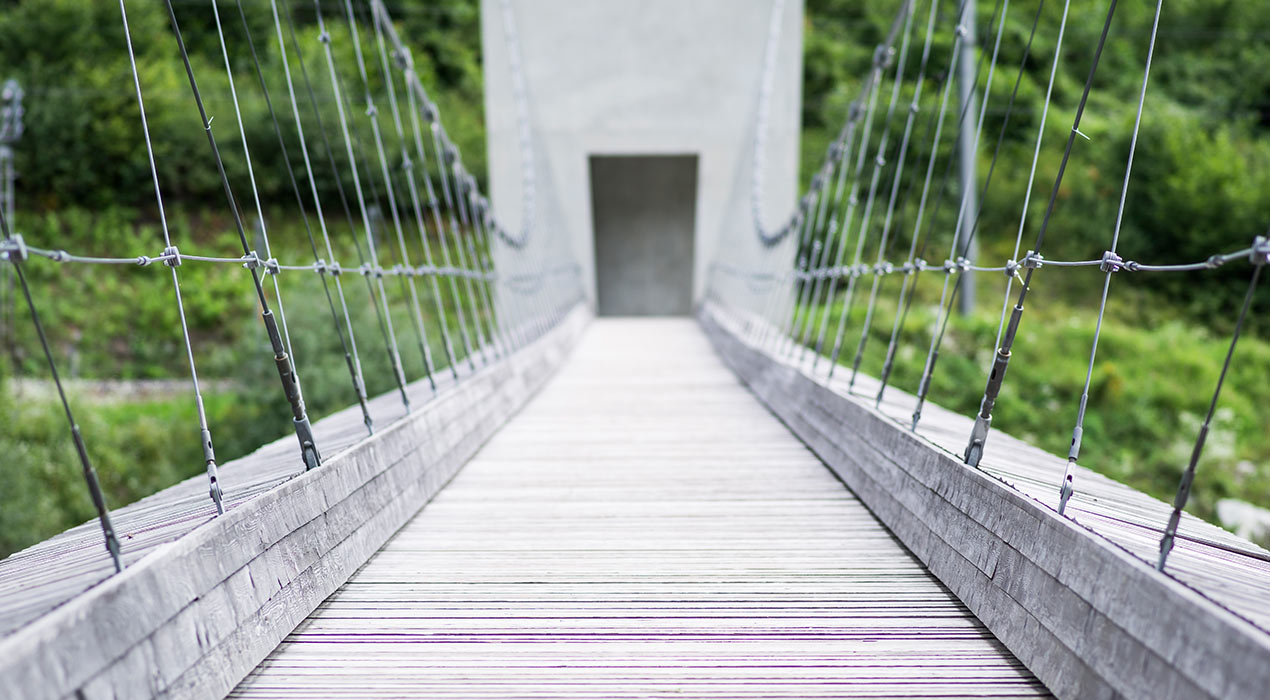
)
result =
(644, 212)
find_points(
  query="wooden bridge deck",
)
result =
(644, 527)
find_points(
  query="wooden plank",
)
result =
(644, 526)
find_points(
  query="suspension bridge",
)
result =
(722, 504)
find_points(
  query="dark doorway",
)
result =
(644, 210)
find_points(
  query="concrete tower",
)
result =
(642, 117)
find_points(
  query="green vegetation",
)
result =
(1201, 184)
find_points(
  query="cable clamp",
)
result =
(272, 267)
(913, 108)
(252, 260)
(1033, 260)
(451, 154)
(407, 164)
(366, 270)
(816, 181)
(919, 264)
(882, 56)
(334, 268)
(962, 31)
(1011, 269)
(401, 58)
(371, 110)
(172, 256)
(880, 161)
(835, 151)
(906, 268)
(429, 112)
(324, 37)
(1111, 262)
(144, 260)
(884, 268)
(1260, 251)
(424, 270)
(853, 114)
(15, 249)
(853, 200)
(60, 256)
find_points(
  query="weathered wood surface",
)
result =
(203, 599)
(1077, 599)
(644, 527)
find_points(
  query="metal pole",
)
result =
(11, 128)
(969, 179)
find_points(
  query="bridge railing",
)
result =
(792, 306)
(806, 278)
(387, 151)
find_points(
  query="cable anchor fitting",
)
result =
(171, 256)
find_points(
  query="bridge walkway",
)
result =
(643, 527)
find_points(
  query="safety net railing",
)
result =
(381, 191)
(809, 290)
